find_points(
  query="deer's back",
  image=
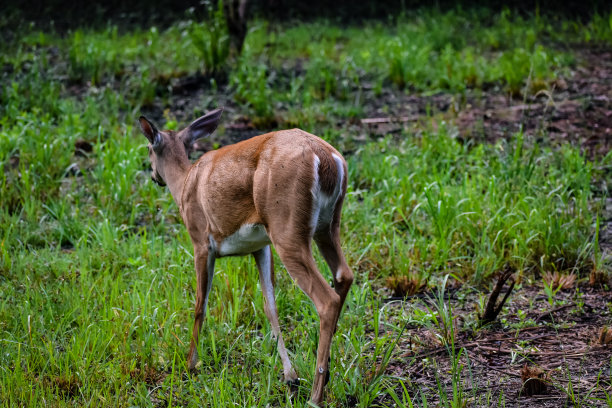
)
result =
(278, 177)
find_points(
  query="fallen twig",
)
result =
(376, 121)
(555, 310)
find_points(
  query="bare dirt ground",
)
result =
(563, 340)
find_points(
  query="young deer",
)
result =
(284, 188)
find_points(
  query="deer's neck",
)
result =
(175, 173)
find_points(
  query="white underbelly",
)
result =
(249, 238)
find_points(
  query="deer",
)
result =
(284, 188)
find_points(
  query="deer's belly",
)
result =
(249, 238)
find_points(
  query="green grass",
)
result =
(96, 275)
(445, 207)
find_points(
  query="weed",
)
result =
(446, 324)
(551, 289)
(403, 286)
(211, 40)
(91, 55)
(555, 279)
(450, 206)
(251, 87)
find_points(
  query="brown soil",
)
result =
(563, 342)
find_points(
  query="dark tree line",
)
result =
(66, 14)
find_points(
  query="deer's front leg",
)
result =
(205, 269)
(265, 265)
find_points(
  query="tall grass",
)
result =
(448, 207)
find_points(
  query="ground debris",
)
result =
(605, 335)
(557, 345)
(534, 380)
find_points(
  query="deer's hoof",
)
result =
(293, 384)
(194, 365)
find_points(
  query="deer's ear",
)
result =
(203, 126)
(148, 129)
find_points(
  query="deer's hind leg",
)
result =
(327, 238)
(297, 258)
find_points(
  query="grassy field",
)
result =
(96, 269)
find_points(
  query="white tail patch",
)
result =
(323, 205)
(316, 193)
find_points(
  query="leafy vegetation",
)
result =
(96, 281)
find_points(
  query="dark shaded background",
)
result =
(66, 14)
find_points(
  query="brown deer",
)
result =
(284, 188)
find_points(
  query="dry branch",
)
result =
(492, 311)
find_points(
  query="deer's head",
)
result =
(169, 146)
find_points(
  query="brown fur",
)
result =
(265, 180)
